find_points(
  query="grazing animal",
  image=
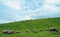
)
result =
(41, 29)
(52, 29)
(9, 31)
(5, 31)
(17, 32)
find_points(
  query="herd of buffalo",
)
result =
(51, 29)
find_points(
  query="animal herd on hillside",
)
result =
(51, 29)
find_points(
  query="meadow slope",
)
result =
(32, 24)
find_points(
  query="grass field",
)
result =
(37, 24)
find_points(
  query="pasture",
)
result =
(37, 25)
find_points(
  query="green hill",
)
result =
(32, 24)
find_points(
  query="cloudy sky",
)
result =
(16, 10)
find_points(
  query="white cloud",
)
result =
(28, 17)
(46, 10)
(12, 4)
(16, 16)
(22, 17)
(50, 1)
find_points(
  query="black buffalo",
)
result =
(9, 31)
(52, 29)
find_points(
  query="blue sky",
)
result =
(17, 10)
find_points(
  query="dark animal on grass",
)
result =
(9, 31)
(41, 30)
(5, 31)
(17, 32)
(52, 29)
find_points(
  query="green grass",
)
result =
(32, 24)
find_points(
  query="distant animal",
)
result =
(9, 31)
(5, 31)
(41, 30)
(52, 29)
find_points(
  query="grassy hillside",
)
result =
(32, 24)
